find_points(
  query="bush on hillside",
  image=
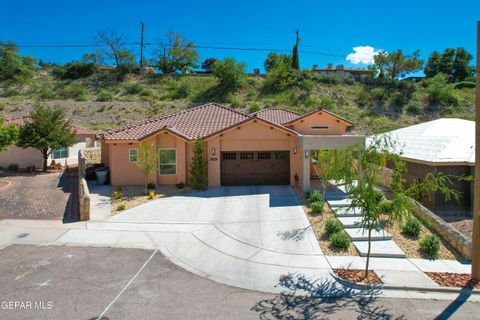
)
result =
(229, 74)
(412, 227)
(78, 70)
(75, 91)
(430, 245)
(440, 92)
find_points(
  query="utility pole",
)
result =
(476, 183)
(141, 46)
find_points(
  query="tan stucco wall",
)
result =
(23, 157)
(303, 126)
(124, 172)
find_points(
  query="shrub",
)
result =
(317, 206)
(126, 68)
(314, 196)
(340, 240)
(326, 78)
(13, 167)
(430, 245)
(378, 95)
(333, 226)
(180, 185)
(414, 107)
(254, 107)
(151, 194)
(73, 91)
(135, 88)
(229, 73)
(121, 207)
(151, 186)
(104, 95)
(278, 79)
(412, 227)
(363, 98)
(117, 195)
(440, 92)
(78, 70)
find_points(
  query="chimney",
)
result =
(340, 67)
(330, 66)
(315, 67)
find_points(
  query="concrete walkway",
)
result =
(245, 237)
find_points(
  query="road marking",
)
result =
(126, 286)
(20, 276)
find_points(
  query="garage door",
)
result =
(255, 168)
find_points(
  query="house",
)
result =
(31, 157)
(272, 146)
(340, 72)
(443, 145)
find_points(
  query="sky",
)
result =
(339, 32)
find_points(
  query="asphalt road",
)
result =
(88, 283)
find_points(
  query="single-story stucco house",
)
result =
(445, 145)
(30, 157)
(272, 146)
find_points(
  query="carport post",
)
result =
(476, 192)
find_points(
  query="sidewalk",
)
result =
(206, 250)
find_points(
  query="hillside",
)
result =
(99, 103)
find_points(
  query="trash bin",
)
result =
(101, 174)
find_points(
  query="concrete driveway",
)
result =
(243, 236)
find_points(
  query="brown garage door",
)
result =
(255, 168)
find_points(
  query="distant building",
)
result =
(413, 79)
(443, 145)
(341, 72)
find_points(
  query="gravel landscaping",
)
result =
(358, 275)
(317, 220)
(135, 195)
(456, 280)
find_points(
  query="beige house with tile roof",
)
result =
(268, 147)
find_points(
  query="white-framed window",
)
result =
(60, 153)
(133, 155)
(319, 127)
(167, 161)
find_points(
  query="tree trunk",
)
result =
(368, 251)
(45, 162)
(146, 178)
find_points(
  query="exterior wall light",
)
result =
(307, 153)
(213, 151)
(294, 150)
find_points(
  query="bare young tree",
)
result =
(114, 49)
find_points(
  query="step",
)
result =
(350, 222)
(380, 249)
(347, 212)
(335, 195)
(340, 202)
(360, 234)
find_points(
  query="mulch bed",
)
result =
(456, 280)
(357, 275)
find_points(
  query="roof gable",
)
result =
(320, 111)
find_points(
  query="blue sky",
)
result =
(329, 30)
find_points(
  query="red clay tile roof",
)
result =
(277, 115)
(192, 123)
(80, 130)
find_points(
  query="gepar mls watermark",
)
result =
(26, 305)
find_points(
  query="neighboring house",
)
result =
(31, 157)
(443, 145)
(272, 146)
(340, 72)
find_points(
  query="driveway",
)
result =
(38, 196)
(243, 236)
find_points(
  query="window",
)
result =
(229, 156)
(319, 127)
(167, 161)
(264, 156)
(133, 155)
(282, 155)
(246, 155)
(60, 153)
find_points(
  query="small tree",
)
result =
(207, 65)
(147, 160)
(361, 181)
(198, 167)
(48, 130)
(275, 59)
(177, 54)
(13, 66)
(8, 134)
(396, 63)
(229, 73)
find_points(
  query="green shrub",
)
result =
(378, 95)
(412, 227)
(78, 70)
(121, 207)
(327, 102)
(317, 206)
(440, 92)
(326, 78)
(117, 195)
(430, 245)
(254, 107)
(134, 88)
(414, 107)
(278, 79)
(363, 98)
(73, 91)
(104, 95)
(340, 240)
(229, 74)
(314, 196)
(333, 226)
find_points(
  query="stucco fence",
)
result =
(85, 156)
(456, 239)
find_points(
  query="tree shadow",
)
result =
(305, 299)
(448, 312)
(294, 234)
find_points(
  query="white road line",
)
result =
(126, 286)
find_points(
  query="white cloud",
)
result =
(363, 55)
